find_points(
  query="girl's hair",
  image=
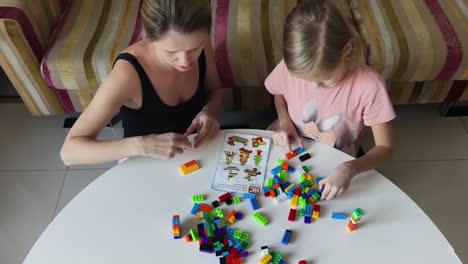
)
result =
(183, 16)
(315, 36)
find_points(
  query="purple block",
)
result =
(304, 196)
(307, 219)
(244, 254)
(238, 216)
(204, 240)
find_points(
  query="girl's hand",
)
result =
(337, 182)
(287, 134)
(163, 146)
(206, 125)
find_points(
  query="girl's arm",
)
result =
(381, 152)
(287, 132)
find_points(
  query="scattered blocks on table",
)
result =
(336, 215)
(198, 198)
(286, 237)
(189, 167)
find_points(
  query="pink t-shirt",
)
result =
(334, 115)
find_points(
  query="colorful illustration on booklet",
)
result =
(244, 155)
(229, 156)
(258, 158)
(251, 173)
(242, 163)
(256, 142)
(233, 171)
(232, 140)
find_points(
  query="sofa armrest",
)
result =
(26, 27)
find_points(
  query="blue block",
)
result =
(225, 253)
(285, 185)
(195, 208)
(307, 219)
(249, 195)
(308, 210)
(291, 169)
(300, 150)
(282, 262)
(336, 215)
(286, 237)
(266, 189)
(290, 195)
(277, 179)
(254, 203)
(318, 179)
(275, 170)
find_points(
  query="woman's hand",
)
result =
(206, 125)
(163, 146)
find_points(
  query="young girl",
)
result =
(323, 92)
(165, 87)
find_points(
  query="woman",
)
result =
(165, 87)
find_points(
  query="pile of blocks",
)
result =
(356, 217)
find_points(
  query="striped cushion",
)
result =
(86, 43)
(248, 38)
(417, 40)
(25, 30)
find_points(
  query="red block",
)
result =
(297, 191)
(225, 196)
(316, 208)
(292, 215)
(352, 227)
(302, 262)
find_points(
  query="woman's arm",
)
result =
(206, 122)
(81, 146)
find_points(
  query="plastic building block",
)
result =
(307, 220)
(315, 215)
(282, 175)
(189, 167)
(229, 201)
(236, 200)
(215, 204)
(194, 235)
(302, 262)
(281, 198)
(195, 208)
(265, 259)
(294, 201)
(292, 215)
(249, 195)
(264, 250)
(275, 170)
(238, 216)
(205, 208)
(302, 212)
(285, 165)
(337, 215)
(232, 217)
(352, 227)
(286, 237)
(259, 218)
(198, 198)
(305, 157)
(176, 226)
(308, 210)
(300, 150)
(254, 203)
(357, 214)
(223, 197)
(290, 155)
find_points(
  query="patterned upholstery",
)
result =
(26, 27)
(417, 45)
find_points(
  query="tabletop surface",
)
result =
(125, 216)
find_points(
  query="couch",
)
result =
(57, 52)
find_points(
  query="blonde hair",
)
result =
(315, 37)
(183, 16)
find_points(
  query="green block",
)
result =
(283, 176)
(270, 183)
(194, 235)
(302, 201)
(279, 162)
(316, 196)
(259, 218)
(236, 200)
(306, 168)
(306, 184)
(302, 212)
(198, 198)
(302, 178)
(357, 214)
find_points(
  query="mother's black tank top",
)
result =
(154, 116)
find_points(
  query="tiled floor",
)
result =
(430, 165)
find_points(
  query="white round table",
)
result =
(125, 216)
